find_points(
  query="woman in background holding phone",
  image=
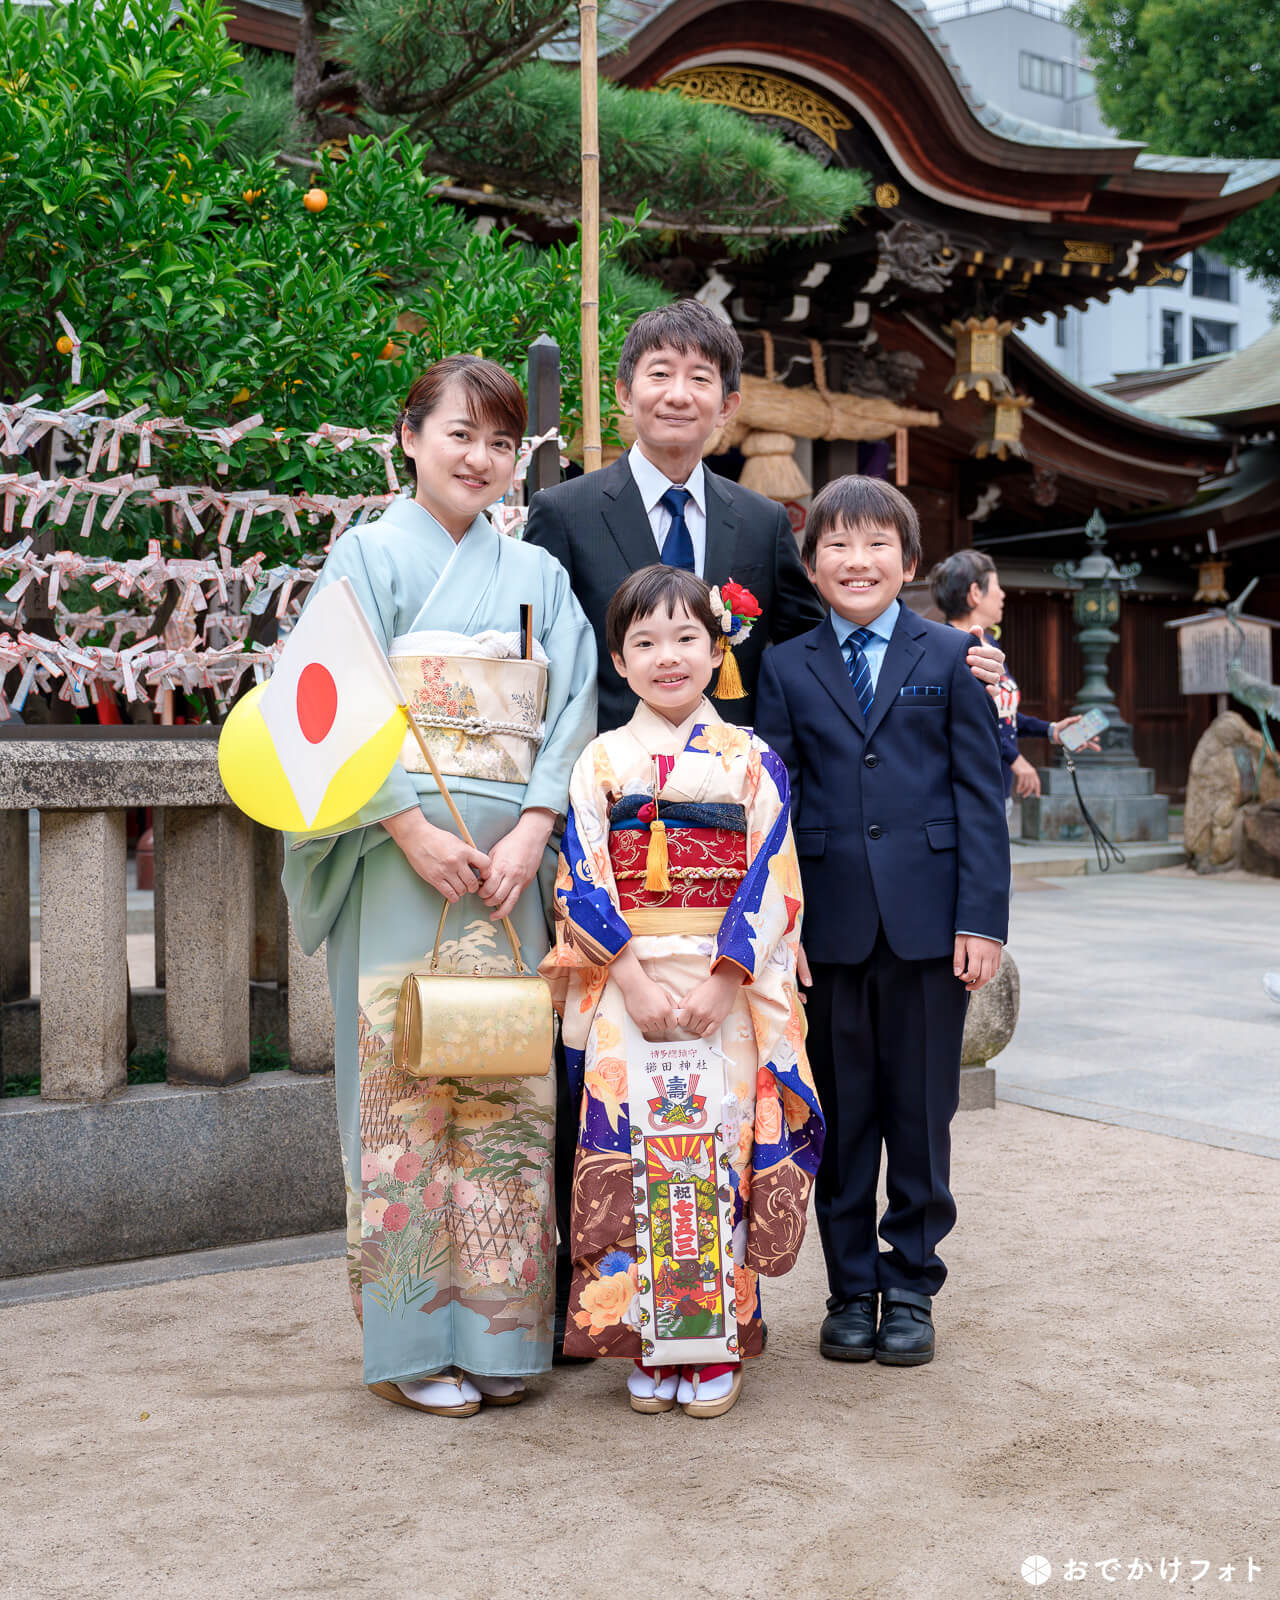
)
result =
(966, 589)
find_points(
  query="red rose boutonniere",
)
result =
(737, 611)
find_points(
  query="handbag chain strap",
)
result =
(521, 970)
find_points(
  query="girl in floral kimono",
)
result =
(674, 971)
(449, 1194)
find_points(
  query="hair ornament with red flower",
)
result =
(738, 611)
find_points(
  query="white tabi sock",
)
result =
(708, 1389)
(428, 1392)
(642, 1385)
(499, 1388)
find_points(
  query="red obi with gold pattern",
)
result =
(705, 866)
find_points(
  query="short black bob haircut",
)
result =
(685, 326)
(951, 580)
(671, 588)
(858, 502)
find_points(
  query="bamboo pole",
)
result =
(461, 826)
(587, 10)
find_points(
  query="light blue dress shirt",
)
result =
(875, 648)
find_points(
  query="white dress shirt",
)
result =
(653, 484)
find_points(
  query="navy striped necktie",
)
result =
(859, 668)
(677, 547)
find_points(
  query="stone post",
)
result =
(269, 960)
(157, 893)
(988, 1027)
(310, 1010)
(544, 412)
(15, 906)
(208, 936)
(83, 973)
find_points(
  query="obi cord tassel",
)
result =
(656, 877)
(729, 683)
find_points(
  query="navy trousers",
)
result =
(884, 1045)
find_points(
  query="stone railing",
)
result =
(221, 926)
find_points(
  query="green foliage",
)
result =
(260, 115)
(700, 166)
(461, 75)
(201, 286)
(1195, 77)
(422, 60)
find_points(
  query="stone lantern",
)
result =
(1096, 611)
(1118, 792)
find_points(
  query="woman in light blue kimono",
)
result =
(451, 1233)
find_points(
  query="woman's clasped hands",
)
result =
(658, 1013)
(454, 868)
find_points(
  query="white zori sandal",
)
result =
(444, 1394)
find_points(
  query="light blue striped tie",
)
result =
(860, 668)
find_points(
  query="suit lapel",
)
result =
(826, 662)
(624, 516)
(899, 662)
(722, 531)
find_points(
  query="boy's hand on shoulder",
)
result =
(985, 661)
(976, 960)
(708, 1003)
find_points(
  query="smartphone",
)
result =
(1079, 733)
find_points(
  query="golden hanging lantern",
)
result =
(1212, 585)
(1002, 432)
(980, 357)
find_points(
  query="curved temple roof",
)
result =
(935, 126)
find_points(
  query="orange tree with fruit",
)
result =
(211, 288)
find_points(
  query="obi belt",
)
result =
(706, 855)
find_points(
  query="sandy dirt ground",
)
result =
(1105, 1389)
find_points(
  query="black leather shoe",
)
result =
(905, 1338)
(849, 1330)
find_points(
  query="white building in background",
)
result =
(1022, 56)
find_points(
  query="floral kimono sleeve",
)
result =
(590, 930)
(761, 932)
(763, 915)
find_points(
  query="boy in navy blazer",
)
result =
(896, 787)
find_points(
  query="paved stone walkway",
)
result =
(1142, 1004)
(1102, 1396)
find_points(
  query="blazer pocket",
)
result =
(941, 835)
(811, 842)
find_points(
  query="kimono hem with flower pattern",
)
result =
(722, 796)
(450, 1225)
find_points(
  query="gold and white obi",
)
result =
(478, 704)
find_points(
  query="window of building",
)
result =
(1170, 338)
(1042, 75)
(1060, 330)
(1211, 277)
(1210, 338)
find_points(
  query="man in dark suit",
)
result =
(678, 380)
(894, 761)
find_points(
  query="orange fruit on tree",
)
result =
(65, 346)
(239, 396)
(315, 199)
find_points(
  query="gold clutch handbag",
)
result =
(471, 1024)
